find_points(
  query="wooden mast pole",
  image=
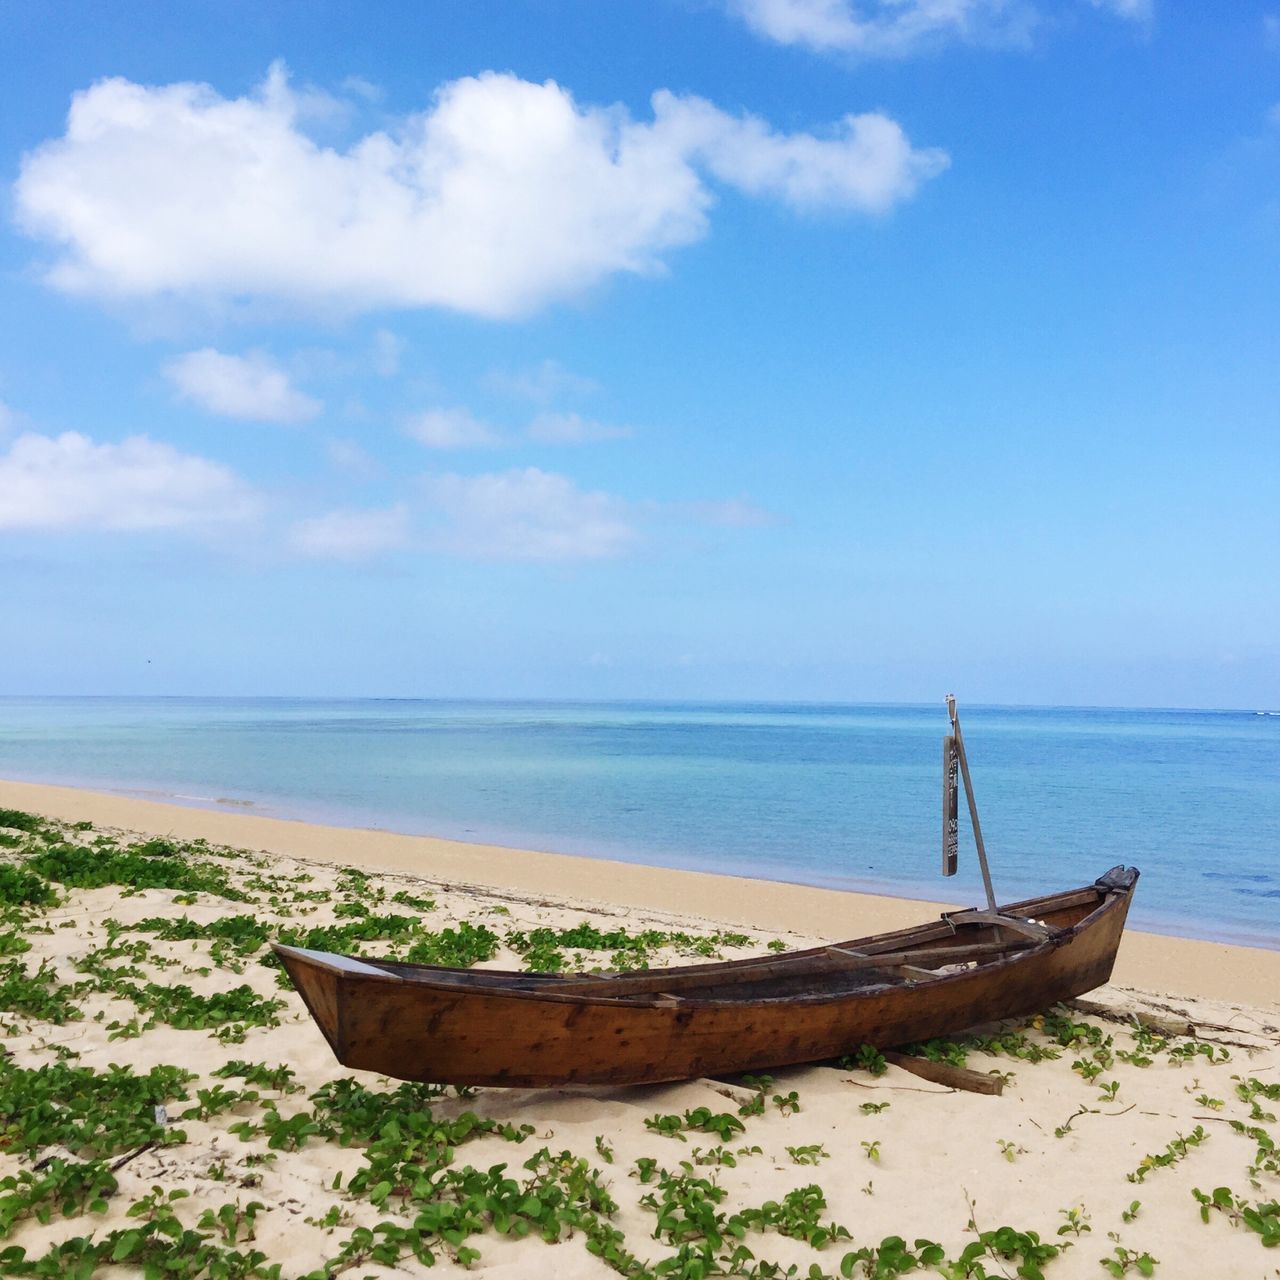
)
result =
(968, 795)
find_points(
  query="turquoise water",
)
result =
(847, 796)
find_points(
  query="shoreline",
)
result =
(727, 789)
(281, 810)
(1234, 973)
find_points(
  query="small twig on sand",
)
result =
(131, 1155)
(897, 1088)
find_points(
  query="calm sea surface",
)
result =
(846, 796)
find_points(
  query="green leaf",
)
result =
(126, 1246)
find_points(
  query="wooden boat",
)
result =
(491, 1027)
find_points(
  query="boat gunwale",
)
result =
(472, 982)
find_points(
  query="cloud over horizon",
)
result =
(351, 535)
(526, 514)
(500, 198)
(68, 482)
(523, 514)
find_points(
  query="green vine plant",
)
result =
(1123, 1260)
(1262, 1217)
(426, 1175)
(1176, 1151)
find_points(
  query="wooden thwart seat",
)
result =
(826, 960)
(1001, 920)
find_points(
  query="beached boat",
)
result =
(490, 1027)
(494, 1027)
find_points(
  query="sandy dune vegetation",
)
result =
(168, 1108)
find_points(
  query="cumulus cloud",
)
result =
(499, 198)
(251, 386)
(572, 428)
(527, 514)
(351, 535)
(69, 482)
(866, 164)
(452, 429)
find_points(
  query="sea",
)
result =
(843, 796)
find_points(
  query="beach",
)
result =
(639, 642)
(1118, 1114)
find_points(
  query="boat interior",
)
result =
(959, 941)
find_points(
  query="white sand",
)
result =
(942, 1156)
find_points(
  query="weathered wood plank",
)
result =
(835, 960)
(945, 1073)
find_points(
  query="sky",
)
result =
(835, 350)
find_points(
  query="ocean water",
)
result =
(843, 796)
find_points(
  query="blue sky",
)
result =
(766, 349)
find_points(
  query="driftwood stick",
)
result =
(944, 1073)
(1157, 1022)
(132, 1155)
(1169, 1026)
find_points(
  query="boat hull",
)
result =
(463, 1027)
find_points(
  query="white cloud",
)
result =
(351, 535)
(527, 515)
(571, 428)
(8, 420)
(897, 28)
(499, 198)
(69, 482)
(547, 381)
(251, 386)
(867, 164)
(451, 429)
(885, 28)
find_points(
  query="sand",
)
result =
(1057, 1154)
